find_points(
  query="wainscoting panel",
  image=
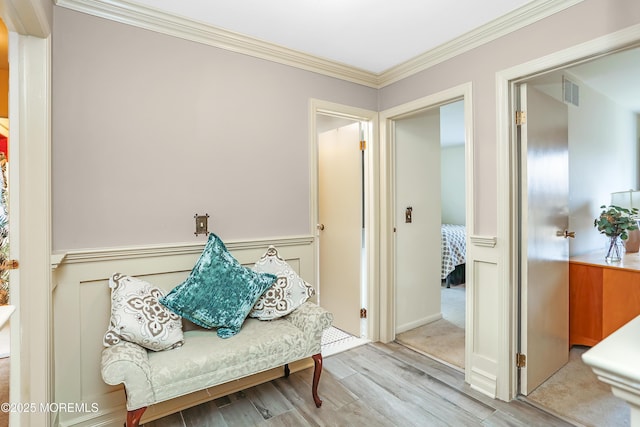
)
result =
(81, 311)
(483, 308)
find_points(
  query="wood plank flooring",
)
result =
(371, 385)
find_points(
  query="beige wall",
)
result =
(150, 129)
(582, 22)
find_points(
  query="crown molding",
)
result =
(130, 13)
(517, 19)
(155, 20)
(28, 17)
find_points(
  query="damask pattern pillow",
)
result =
(287, 293)
(219, 292)
(138, 317)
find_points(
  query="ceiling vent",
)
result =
(570, 92)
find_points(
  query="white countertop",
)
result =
(619, 353)
(5, 313)
(616, 361)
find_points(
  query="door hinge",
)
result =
(363, 145)
(521, 360)
(521, 117)
(363, 313)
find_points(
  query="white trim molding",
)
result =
(483, 241)
(28, 17)
(153, 19)
(519, 18)
(31, 374)
(107, 254)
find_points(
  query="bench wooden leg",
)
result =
(133, 417)
(317, 370)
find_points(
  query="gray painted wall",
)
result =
(150, 129)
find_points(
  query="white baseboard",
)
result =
(417, 323)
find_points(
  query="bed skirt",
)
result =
(456, 277)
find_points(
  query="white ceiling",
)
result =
(372, 35)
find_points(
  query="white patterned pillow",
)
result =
(138, 317)
(287, 293)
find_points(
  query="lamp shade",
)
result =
(626, 199)
(629, 199)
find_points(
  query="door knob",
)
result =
(320, 227)
(568, 234)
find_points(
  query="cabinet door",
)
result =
(585, 304)
(621, 298)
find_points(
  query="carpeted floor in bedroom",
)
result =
(573, 393)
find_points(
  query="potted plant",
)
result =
(615, 222)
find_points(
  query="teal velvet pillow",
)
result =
(219, 292)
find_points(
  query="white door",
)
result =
(544, 290)
(340, 201)
(417, 240)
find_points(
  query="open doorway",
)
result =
(341, 202)
(431, 232)
(342, 143)
(412, 301)
(603, 123)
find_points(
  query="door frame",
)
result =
(372, 200)
(31, 372)
(508, 221)
(387, 200)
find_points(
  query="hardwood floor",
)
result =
(371, 385)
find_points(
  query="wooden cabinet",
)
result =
(602, 296)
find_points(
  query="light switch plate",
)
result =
(202, 224)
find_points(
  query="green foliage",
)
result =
(616, 221)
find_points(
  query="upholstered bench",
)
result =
(250, 321)
(205, 360)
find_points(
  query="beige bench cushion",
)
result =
(206, 360)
